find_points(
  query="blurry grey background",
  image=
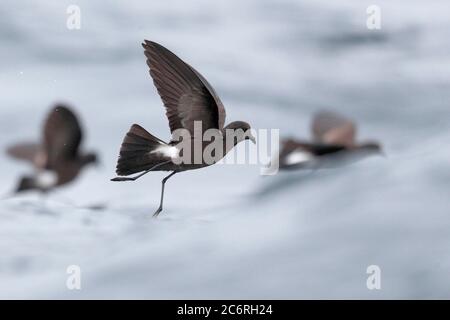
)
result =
(227, 232)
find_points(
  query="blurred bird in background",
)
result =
(57, 159)
(333, 145)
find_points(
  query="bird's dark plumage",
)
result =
(58, 151)
(188, 98)
(333, 141)
(331, 128)
(186, 94)
(135, 153)
(62, 136)
(26, 151)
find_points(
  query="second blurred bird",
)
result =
(56, 159)
(333, 144)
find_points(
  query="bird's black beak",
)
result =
(252, 139)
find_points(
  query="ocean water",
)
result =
(226, 231)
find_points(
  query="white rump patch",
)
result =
(167, 151)
(46, 179)
(298, 157)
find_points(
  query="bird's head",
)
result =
(239, 131)
(89, 158)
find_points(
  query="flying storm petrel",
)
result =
(188, 99)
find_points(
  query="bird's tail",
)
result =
(139, 152)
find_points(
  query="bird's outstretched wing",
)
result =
(62, 136)
(331, 128)
(186, 94)
(25, 151)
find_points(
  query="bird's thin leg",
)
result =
(162, 194)
(139, 175)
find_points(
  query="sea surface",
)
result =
(226, 230)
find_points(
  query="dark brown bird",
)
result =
(189, 100)
(57, 159)
(333, 144)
